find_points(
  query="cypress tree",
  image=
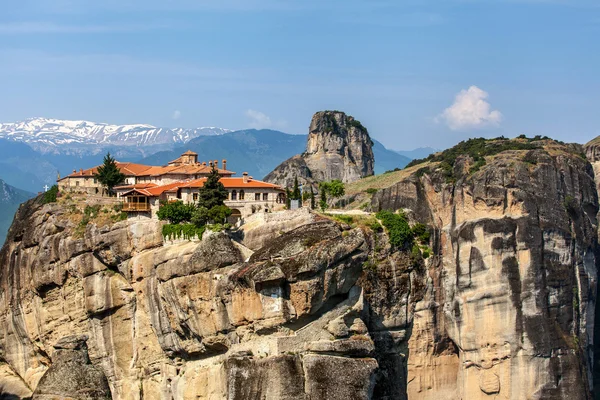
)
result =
(287, 198)
(213, 193)
(296, 191)
(313, 203)
(323, 200)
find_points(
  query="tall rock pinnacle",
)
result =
(338, 147)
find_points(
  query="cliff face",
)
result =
(189, 320)
(510, 308)
(307, 308)
(338, 147)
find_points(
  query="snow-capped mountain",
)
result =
(44, 132)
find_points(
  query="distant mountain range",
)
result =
(34, 151)
(10, 198)
(258, 152)
(421, 152)
(47, 134)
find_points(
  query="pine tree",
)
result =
(109, 173)
(213, 193)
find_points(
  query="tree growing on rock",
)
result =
(109, 174)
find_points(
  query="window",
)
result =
(195, 196)
(265, 196)
(241, 195)
(233, 195)
(95, 180)
(257, 196)
(77, 183)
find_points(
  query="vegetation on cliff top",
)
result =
(478, 149)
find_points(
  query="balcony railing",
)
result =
(139, 207)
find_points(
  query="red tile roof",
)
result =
(229, 183)
(233, 183)
(133, 169)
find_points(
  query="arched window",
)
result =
(241, 195)
(233, 195)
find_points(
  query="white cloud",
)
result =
(470, 111)
(258, 120)
(176, 114)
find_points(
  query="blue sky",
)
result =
(416, 73)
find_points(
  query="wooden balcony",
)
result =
(136, 207)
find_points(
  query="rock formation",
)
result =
(71, 375)
(510, 308)
(298, 306)
(338, 147)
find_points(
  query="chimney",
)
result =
(224, 162)
(74, 171)
(245, 177)
(81, 171)
(204, 163)
(216, 163)
(210, 163)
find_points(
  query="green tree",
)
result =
(219, 214)
(333, 189)
(288, 198)
(313, 203)
(323, 199)
(109, 174)
(296, 190)
(213, 193)
(51, 195)
(336, 188)
(200, 216)
(176, 212)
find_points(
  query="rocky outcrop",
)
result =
(187, 320)
(338, 147)
(298, 306)
(510, 308)
(71, 375)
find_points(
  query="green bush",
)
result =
(50, 195)
(426, 253)
(219, 214)
(421, 232)
(176, 212)
(399, 231)
(371, 190)
(185, 231)
(374, 225)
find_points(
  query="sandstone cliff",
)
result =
(510, 308)
(338, 147)
(304, 307)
